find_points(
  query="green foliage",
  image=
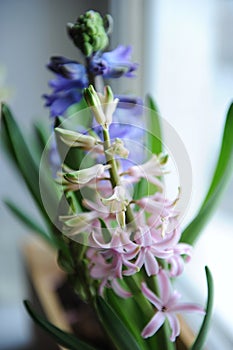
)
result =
(154, 133)
(105, 231)
(121, 337)
(221, 177)
(30, 223)
(153, 145)
(201, 338)
(25, 164)
(63, 338)
(21, 154)
(27, 167)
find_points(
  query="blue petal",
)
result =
(67, 86)
(134, 104)
(60, 84)
(113, 64)
(56, 62)
(58, 103)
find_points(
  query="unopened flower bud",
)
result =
(75, 139)
(94, 102)
(89, 33)
(78, 223)
(84, 176)
(109, 103)
(103, 105)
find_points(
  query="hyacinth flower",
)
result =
(90, 35)
(118, 244)
(167, 306)
(132, 242)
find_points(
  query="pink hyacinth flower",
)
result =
(167, 306)
(150, 170)
(149, 252)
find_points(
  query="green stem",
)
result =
(141, 301)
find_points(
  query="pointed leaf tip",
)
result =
(202, 335)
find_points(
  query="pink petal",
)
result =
(129, 255)
(164, 286)
(162, 254)
(140, 259)
(151, 264)
(183, 248)
(99, 271)
(177, 265)
(154, 324)
(101, 287)
(173, 300)
(175, 326)
(93, 240)
(169, 240)
(119, 290)
(151, 296)
(188, 307)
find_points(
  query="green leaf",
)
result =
(105, 231)
(135, 323)
(42, 134)
(201, 338)
(115, 328)
(154, 133)
(31, 224)
(141, 189)
(17, 147)
(141, 311)
(20, 152)
(153, 144)
(39, 139)
(62, 338)
(221, 177)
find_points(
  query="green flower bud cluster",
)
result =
(89, 33)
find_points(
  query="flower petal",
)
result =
(164, 286)
(175, 326)
(151, 296)
(119, 290)
(154, 324)
(151, 264)
(188, 307)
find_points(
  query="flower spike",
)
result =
(89, 33)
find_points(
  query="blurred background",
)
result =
(185, 52)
